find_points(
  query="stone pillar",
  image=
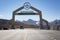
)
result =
(41, 21)
(47, 24)
(13, 21)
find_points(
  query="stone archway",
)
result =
(27, 6)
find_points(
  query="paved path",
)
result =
(29, 34)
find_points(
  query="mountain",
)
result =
(56, 22)
(28, 24)
(4, 23)
(30, 21)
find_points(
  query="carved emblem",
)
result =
(27, 5)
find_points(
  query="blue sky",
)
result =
(50, 9)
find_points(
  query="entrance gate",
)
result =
(27, 6)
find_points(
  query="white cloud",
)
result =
(1, 16)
